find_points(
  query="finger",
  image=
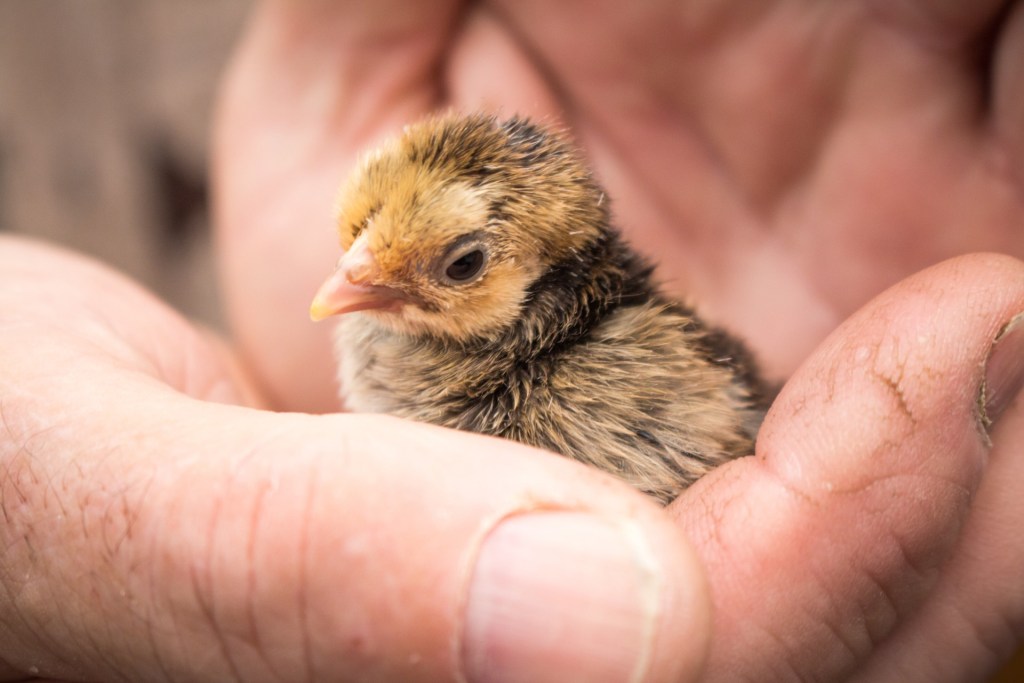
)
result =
(311, 86)
(148, 535)
(57, 294)
(975, 615)
(866, 469)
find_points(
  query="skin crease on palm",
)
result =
(785, 161)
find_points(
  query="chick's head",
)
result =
(447, 228)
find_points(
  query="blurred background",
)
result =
(105, 114)
(105, 111)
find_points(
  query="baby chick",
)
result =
(493, 295)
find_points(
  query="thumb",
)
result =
(824, 549)
(427, 554)
(150, 535)
(222, 543)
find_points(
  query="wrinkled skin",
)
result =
(784, 162)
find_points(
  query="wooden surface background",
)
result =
(104, 118)
(105, 109)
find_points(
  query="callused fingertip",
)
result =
(563, 596)
(1004, 373)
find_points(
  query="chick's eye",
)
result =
(465, 266)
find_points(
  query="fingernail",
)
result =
(561, 596)
(1004, 371)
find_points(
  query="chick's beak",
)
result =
(349, 288)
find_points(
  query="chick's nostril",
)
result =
(359, 273)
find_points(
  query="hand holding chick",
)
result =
(494, 295)
(785, 213)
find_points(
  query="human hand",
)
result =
(153, 529)
(761, 626)
(785, 163)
